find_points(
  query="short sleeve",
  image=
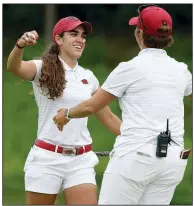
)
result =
(118, 80)
(38, 64)
(95, 84)
(188, 89)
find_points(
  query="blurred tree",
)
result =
(105, 18)
(50, 21)
(19, 18)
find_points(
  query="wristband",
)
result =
(18, 46)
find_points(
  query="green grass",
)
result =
(20, 119)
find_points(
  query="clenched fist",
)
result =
(28, 39)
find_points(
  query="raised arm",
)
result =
(23, 69)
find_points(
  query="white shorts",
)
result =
(139, 177)
(49, 172)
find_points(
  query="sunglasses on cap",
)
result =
(140, 9)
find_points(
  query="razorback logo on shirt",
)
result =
(84, 81)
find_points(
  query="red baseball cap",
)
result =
(69, 23)
(150, 19)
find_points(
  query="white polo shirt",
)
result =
(75, 133)
(150, 89)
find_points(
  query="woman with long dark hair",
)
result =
(61, 160)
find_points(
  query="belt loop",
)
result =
(56, 148)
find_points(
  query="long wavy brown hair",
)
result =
(52, 78)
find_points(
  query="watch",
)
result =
(66, 114)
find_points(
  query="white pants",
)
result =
(49, 172)
(139, 177)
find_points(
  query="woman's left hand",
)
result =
(60, 119)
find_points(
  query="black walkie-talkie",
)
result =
(168, 132)
(162, 144)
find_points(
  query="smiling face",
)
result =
(72, 43)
